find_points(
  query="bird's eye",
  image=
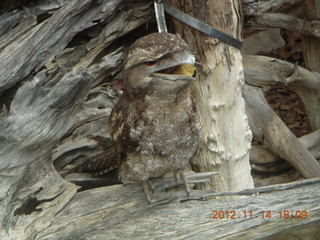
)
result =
(150, 63)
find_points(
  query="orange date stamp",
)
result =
(282, 214)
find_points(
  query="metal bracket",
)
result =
(161, 20)
(201, 26)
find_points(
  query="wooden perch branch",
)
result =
(266, 189)
(309, 141)
(253, 7)
(273, 133)
(264, 162)
(189, 220)
(266, 71)
(312, 142)
(279, 20)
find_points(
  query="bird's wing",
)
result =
(124, 128)
(117, 122)
(116, 148)
(98, 164)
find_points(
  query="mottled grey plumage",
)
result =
(155, 125)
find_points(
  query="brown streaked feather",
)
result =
(100, 163)
(123, 121)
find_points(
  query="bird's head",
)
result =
(159, 62)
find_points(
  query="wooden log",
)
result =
(279, 20)
(273, 133)
(121, 212)
(265, 71)
(253, 7)
(261, 155)
(310, 140)
(268, 167)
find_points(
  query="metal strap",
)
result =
(161, 20)
(201, 26)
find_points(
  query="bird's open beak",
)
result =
(179, 66)
(184, 69)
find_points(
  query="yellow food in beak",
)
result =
(185, 69)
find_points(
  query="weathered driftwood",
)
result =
(309, 141)
(280, 20)
(23, 27)
(268, 40)
(268, 168)
(41, 113)
(273, 133)
(40, 44)
(312, 142)
(254, 7)
(265, 71)
(121, 212)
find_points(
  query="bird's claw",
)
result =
(166, 183)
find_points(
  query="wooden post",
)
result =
(226, 135)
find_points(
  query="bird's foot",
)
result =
(181, 173)
(162, 196)
(148, 187)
